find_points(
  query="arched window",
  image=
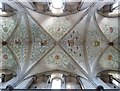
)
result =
(56, 83)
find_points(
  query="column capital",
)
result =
(64, 76)
(9, 87)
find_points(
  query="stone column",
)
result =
(80, 82)
(33, 79)
(100, 88)
(3, 78)
(64, 81)
(9, 88)
(48, 82)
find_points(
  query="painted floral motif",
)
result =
(5, 56)
(19, 43)
(59, 26)
(73, 43)
(95, 43)
(110, 59)
(109, 29)
(8, 61)
(7, 26)
(58, 58)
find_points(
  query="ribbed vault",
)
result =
(84, 42)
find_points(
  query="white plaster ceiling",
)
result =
(77, 43)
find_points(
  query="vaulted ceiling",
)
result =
(85, 42)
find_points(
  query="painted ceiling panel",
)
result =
(19, 42)
(109, 29)
(58, 27)
(56, 59)
(49, 43)
(41, 42)
(73, 43)
(110, 59)
(8, 60)
(7, 26)
(95, 43)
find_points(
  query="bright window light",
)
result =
(56, 83)
(0, 80)
(68, 86)
(115, 82)
(57, 4)
(115, 5)
(57, 11)
(0, 5)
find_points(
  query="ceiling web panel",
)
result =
(7, 26)
(19, 42)
(95, 43)
(109, 26)
(57, 42)
(8, 60)
(58, 26)
(110, 59)
(73, 43)
(41, 42)
(58, 59)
